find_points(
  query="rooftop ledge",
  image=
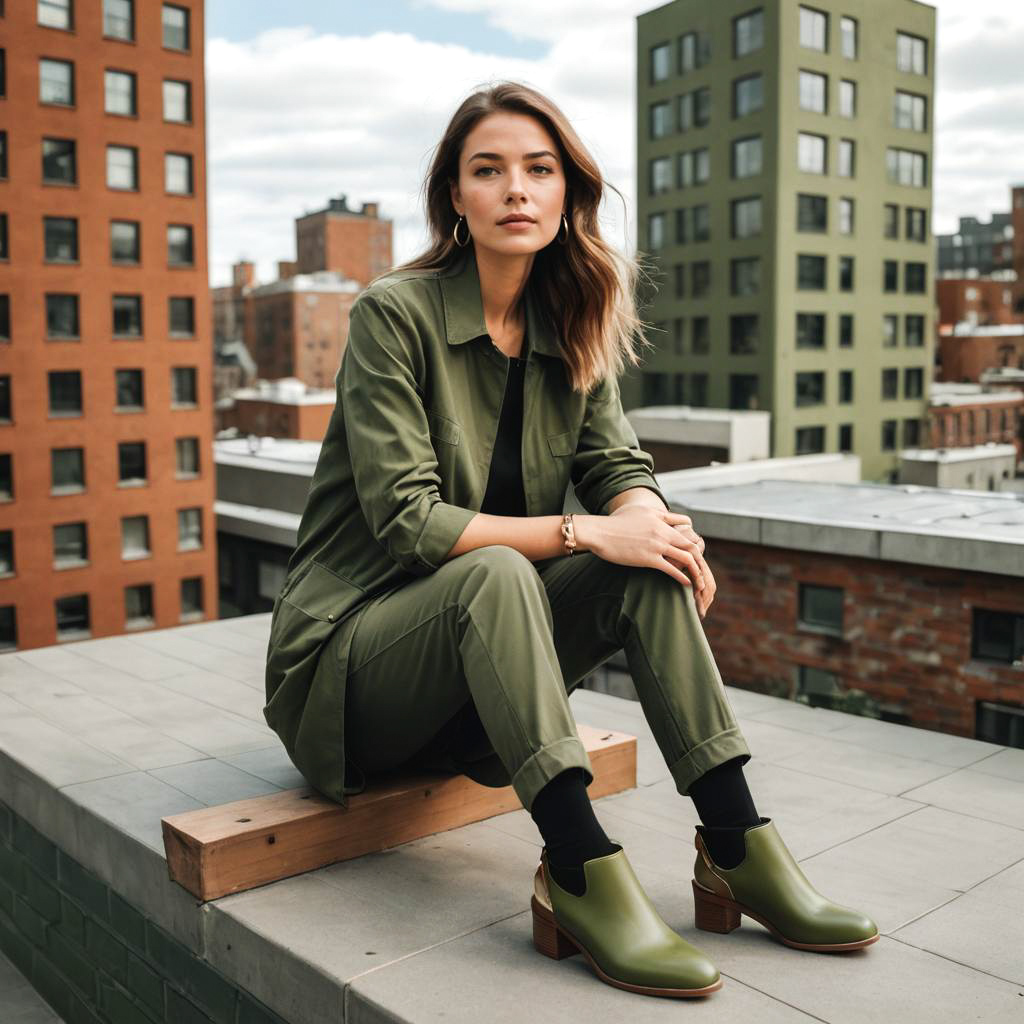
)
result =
(100, 739)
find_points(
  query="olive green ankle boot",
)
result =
(769, 886)
(616, 927)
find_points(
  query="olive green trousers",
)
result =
(469, 669)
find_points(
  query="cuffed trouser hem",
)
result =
(546, 763)
(715, 750)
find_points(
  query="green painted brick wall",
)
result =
(94, 957)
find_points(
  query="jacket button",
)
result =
(330, 617)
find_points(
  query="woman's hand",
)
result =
(658, 538)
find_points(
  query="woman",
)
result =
(439, 608)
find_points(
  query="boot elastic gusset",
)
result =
(769, 886)
(619, 931)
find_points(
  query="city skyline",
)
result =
(280, 145)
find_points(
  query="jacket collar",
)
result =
(464, 309)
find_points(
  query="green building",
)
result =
(784, 187)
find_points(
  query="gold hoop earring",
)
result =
(455, 232)
(565, 224)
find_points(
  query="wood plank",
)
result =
(233, 847)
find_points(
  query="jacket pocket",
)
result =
(563, 443)
(322, 593)
(443, 428)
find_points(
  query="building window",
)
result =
(62, 316)
(179, 245)
(811, 153)
(127, 316)
(60, 239)
(813, 92)
(906, 167)
(686, 112)
(847, 98)
(913, 330)
(119, 93)
(700, 279)
(135, 537)
(128, 389)
(746, 157)
(177, 101)
(846, 330)
(190, 532)
(888, 435)
(55, 14)
(846, 273)
(810, 330)
(694, 167)
(181, 316)
(846, 437)
(56, 82)
(124, 241)
(5, 252)
(694, 51)
(916, 225)
(848, 37)
(123, 167)
(693, 224)
(192, 597)
(747, 95)
(821, 608)
(743, 334)
(810, 388)
(810, 272)
(998, 636)
(138, 605)
(745, 276)
(847, 158)
(680, 276)
(890, 384)
(60, 166)
(5, 317)
(659, 181)
(65, 392)
(661, 62)
(913, 382)
(747, 33)
(890, 276)
(67, 470)
(178, 178)
(743, 391)
(655, 231)
(702, 106)
(661, 120)
(70, 546)
(813, 29)
(911, 53)
(810, 440)
(701, 341)
(175, 27)
(746, 217)
(890, 329)
(3, 154)
(999, 723)
(119, 19)
(910, 111)
(186, 457)
(811, 212)
(183, 386)
(891, 221)
(845, 216)
(131, 461)
(914, 279)
(846, 386)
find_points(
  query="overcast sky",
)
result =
(315, 98)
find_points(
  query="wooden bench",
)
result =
(233, 847)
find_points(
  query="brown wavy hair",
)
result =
(585, 287)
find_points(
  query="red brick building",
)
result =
(966, 352)
(354, 243)
(105, 357)
(978, 301)
(285, 408)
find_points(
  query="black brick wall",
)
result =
(95, 958)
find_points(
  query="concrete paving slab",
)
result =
(212, 782)
(977, 794)
(271, 764)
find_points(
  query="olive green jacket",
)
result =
(403, 469)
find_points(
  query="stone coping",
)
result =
(924, 831)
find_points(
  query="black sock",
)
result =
(572, 834)
(726, 810)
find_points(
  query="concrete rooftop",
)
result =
(923, 831)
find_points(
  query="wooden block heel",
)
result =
(548, 938)
(712, 913)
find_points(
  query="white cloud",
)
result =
(296, 117)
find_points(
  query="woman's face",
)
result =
(510, 164)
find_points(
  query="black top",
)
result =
(504, 495)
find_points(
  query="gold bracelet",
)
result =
(569, 532)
